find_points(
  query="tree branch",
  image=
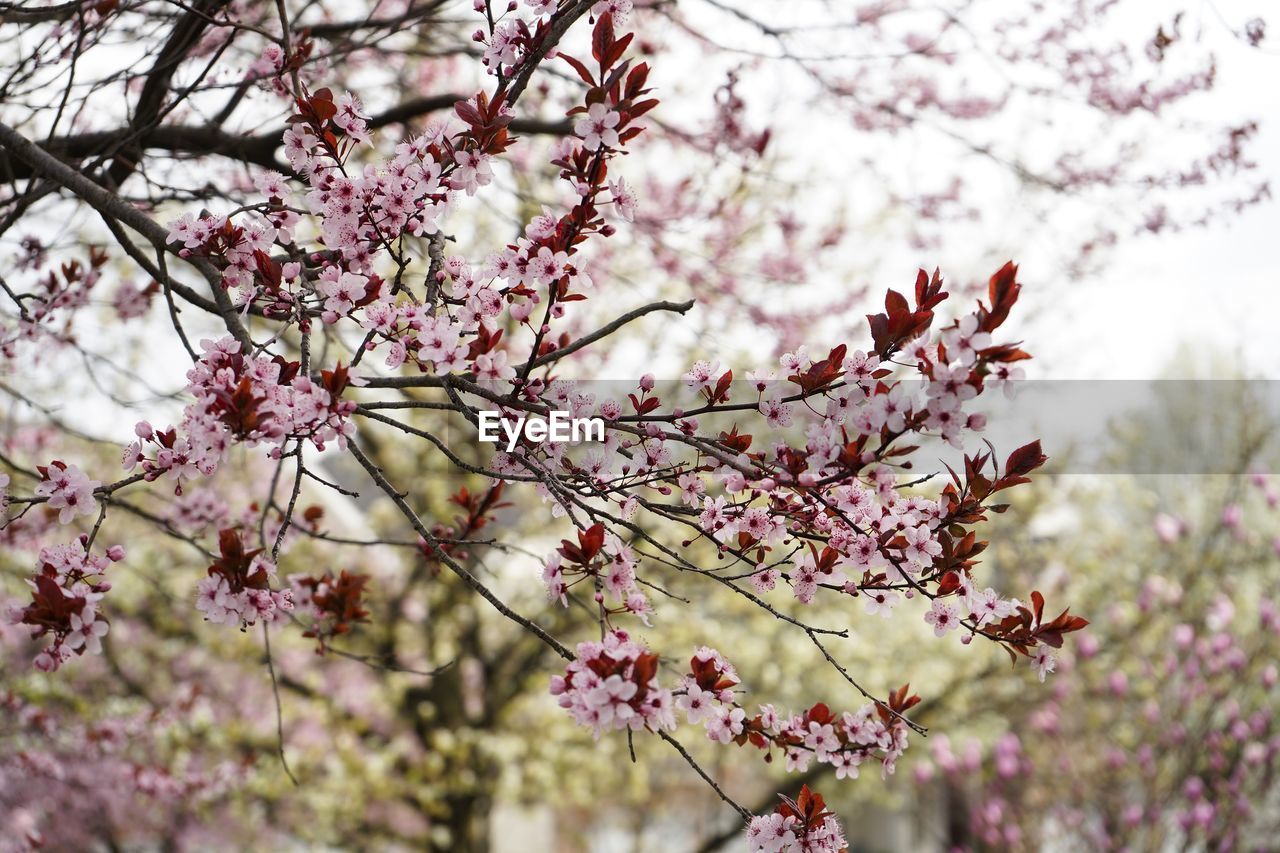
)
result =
(109, 204)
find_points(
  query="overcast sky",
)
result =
(1218, 286)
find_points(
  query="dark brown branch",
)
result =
(259, 149)
(12, 14)
(148, 112)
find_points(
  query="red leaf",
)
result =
(582, 70)
(895, 303)
(1024, 460)
(468, 113)
(322, 105)
(602, 38)
(1002, 290)
(636, 80)
(639, 109)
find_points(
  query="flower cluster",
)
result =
(239, 246)
(359, 215)
(238, 589)
(131, 301)
(334, 603)
(50, 309)
(845, 742)
(65, 591)
(606, 562)
(802, 825)
(706, 696)
(506, 45)
(68, 490)
(242, 399)
(867, 533)
(613, 685)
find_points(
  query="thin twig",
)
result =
(275, 689)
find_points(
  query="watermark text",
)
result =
(557, 427)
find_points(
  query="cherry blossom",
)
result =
(65, 593)
(612, 685)
(68, 490)
(943, 617)
(800, 826)
(238, 589)
(598, 128)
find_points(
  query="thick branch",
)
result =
(13, 14)
(260, 149)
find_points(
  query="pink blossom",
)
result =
(69, 490)
(597, 128)
(943, 617)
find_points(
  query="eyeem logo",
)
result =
(558, 427)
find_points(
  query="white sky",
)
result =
(1218, 286)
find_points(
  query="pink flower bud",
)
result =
(115, 553)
